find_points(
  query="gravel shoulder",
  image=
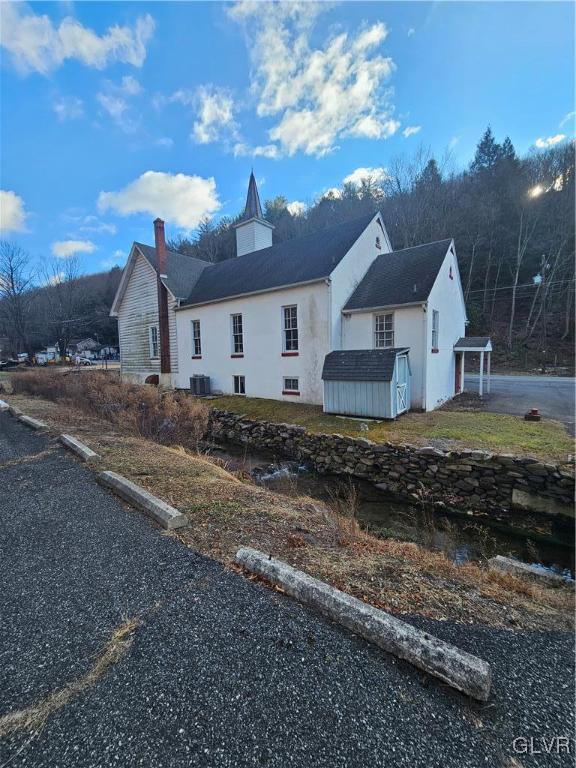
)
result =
(223, 671)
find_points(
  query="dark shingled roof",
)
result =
(400, 277)
(183, 271)
(472, 341)
(361, 364)
(300, 260)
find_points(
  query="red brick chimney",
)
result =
(163, 323)
(160, 243)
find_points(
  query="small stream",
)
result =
(463, 537)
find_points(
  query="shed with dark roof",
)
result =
(374, 383)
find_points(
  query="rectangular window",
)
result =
(290, 387)
(239, 385)
(384, 330)
(153, 342)
(237, 335)
(290, 328)
(435, 321)
(196, 339)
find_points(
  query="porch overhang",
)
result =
(481, 345)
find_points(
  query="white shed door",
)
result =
(401, 384)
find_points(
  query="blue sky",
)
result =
(114, 113)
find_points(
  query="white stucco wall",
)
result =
(351, 270)
(263, 364)
(446, 297)
(409, 331)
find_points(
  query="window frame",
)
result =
(237, 337)
(381, 333)
(291, 347)
(241, 380)
(286, 390)
(435, 330)
(154, 343)
(196, 338)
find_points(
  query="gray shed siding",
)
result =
(359, 398)
(137, 312)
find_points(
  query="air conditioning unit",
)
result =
(200, 385)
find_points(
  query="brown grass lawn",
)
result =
(475, 429)
(228, 511)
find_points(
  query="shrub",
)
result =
(170, 418)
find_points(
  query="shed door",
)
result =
(401, 384)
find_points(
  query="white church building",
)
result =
(334, 318)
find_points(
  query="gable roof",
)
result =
(473, 342)
(361, 364)
(301, 260)
(182, 271)
(400, 277)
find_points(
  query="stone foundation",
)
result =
(467, 478)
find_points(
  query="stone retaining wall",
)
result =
(474, 478)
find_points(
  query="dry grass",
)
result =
(34, 717)
(470, 428)
(227, 512)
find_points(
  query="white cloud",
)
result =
(115, 100)
(453, 142)
(332, 192)
(550, 141)
(567, 118)
(165, 141)
(296, 208)
(268, 150)
(65, 249)
(180, 199)
(319, 95)
(411, 130)
(68, 108)
(93, 224)
(375, 174)
(215, 109)
(411, 32)
(55, 279)
(12, 212)
(36, 44)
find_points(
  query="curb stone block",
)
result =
(165, 515)
(459, 669)
(81, 450)
(33, 423)
(525, 571)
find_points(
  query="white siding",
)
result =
(446, 297)
(252, 236)
(263, 364)
(409, 331)
(350, 272)
(137, 312)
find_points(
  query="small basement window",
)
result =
(239, 385)
(291, 386)
(153, 342)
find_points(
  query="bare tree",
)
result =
(65, 302)
(16, 280)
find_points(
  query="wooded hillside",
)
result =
(512, 220)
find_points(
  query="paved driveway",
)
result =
(222, 671)
(553, 395)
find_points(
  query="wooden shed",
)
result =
(374, 383)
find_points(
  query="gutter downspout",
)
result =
(163, 321)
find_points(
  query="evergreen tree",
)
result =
(488, 153)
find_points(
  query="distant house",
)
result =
(79, 346)
(264, 324)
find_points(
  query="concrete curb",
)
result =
(459, 669)
(4, 405)
(81, 450)
(13, 411)
(525, 571)
(33, 423)
(162, 513)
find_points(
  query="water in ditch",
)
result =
(534, 539)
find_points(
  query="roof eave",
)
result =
(358, 310)
(254, 293)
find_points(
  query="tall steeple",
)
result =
(253, 232)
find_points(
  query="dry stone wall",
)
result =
(475, 478)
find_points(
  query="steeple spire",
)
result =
(253, 209)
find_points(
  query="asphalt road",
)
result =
(223, 671)
(552, 395)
